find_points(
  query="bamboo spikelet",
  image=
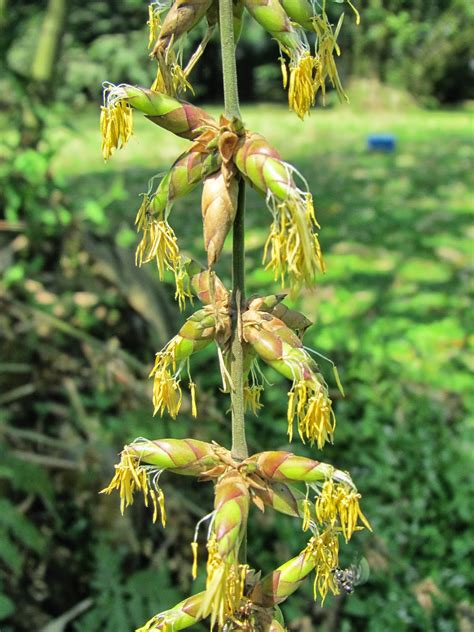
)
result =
(185, 174)
(292, 42)
(277, 586)
(308, 400)
(143, 461)
(285, 467)
(197, 333)
(182, 17)
(292, 319)
(273, 304)
(292, 249)
(116, 121)
(182, 616)
(159, 241)
(225, 576)
(191, 168)
(337, 499)
(321, 554)
(182, 456)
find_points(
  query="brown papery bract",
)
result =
(219, 206)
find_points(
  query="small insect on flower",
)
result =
(321, 555)
(347, 579)
(249, 618)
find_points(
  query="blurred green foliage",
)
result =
(80, 324)
(423, 46)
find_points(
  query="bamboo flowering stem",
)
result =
(222, 155)
(232, 110)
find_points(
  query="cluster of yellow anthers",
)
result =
(206, 325)
(167, 394)
(302, 88)
(309, 404)
(130, 477)
(116, 125)
(225, 584)
(266, 479)
(158, 242)
(290, 248)
(289, 22)
(336, 502)
(324, 549)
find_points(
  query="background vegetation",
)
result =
(79, 324)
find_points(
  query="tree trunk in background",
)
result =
(47, 50)
(41, 83)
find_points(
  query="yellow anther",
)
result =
(194, 547)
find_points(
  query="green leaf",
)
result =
(9, 552)
(7, 606)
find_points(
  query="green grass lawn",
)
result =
(392, 311)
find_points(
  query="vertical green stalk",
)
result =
(229, 68)
(231, 103)
(239, 442)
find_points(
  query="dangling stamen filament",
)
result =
(194, 543)
(334, 367)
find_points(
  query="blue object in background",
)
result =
(381, 142)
